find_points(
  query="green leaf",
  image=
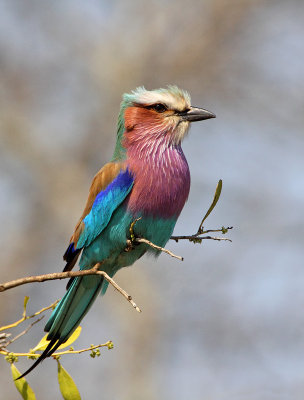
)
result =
(67, 386)
(215, 200)
(22, 386)
(43, 342)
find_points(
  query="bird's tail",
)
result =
(68, 313)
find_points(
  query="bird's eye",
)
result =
(159, 107)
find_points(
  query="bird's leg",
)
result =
(131, 243)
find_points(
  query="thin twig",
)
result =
(109, 344)
(197, 236)
(194, 238)
(223, 230)
(216, 238)
(24, 316)
(154, 246)
(82, 350)
(25, 331)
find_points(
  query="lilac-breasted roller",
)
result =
(147, 178)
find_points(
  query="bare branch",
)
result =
(66, 275)
(141, 240)
(197, 237)
(154, 246)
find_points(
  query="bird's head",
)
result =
(154, 115)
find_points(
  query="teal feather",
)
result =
(73, 307)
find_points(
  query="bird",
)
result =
(147, 180)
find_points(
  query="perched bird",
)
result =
(147, 178)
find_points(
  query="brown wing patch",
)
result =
(100, 181)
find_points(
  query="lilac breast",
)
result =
(162, 180)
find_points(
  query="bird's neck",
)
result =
(162, 178)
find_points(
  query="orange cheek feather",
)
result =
(140, 116)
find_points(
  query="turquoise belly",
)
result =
(110, 245)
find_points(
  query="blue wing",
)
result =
(109, 189)
(103, 207)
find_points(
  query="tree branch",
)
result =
(65, 275)
(108, 344)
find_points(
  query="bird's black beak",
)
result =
(196, 114)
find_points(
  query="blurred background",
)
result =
(228, 322)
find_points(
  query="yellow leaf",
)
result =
(26, 299)
(67, 386)
(22, 386)
(43, 342)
